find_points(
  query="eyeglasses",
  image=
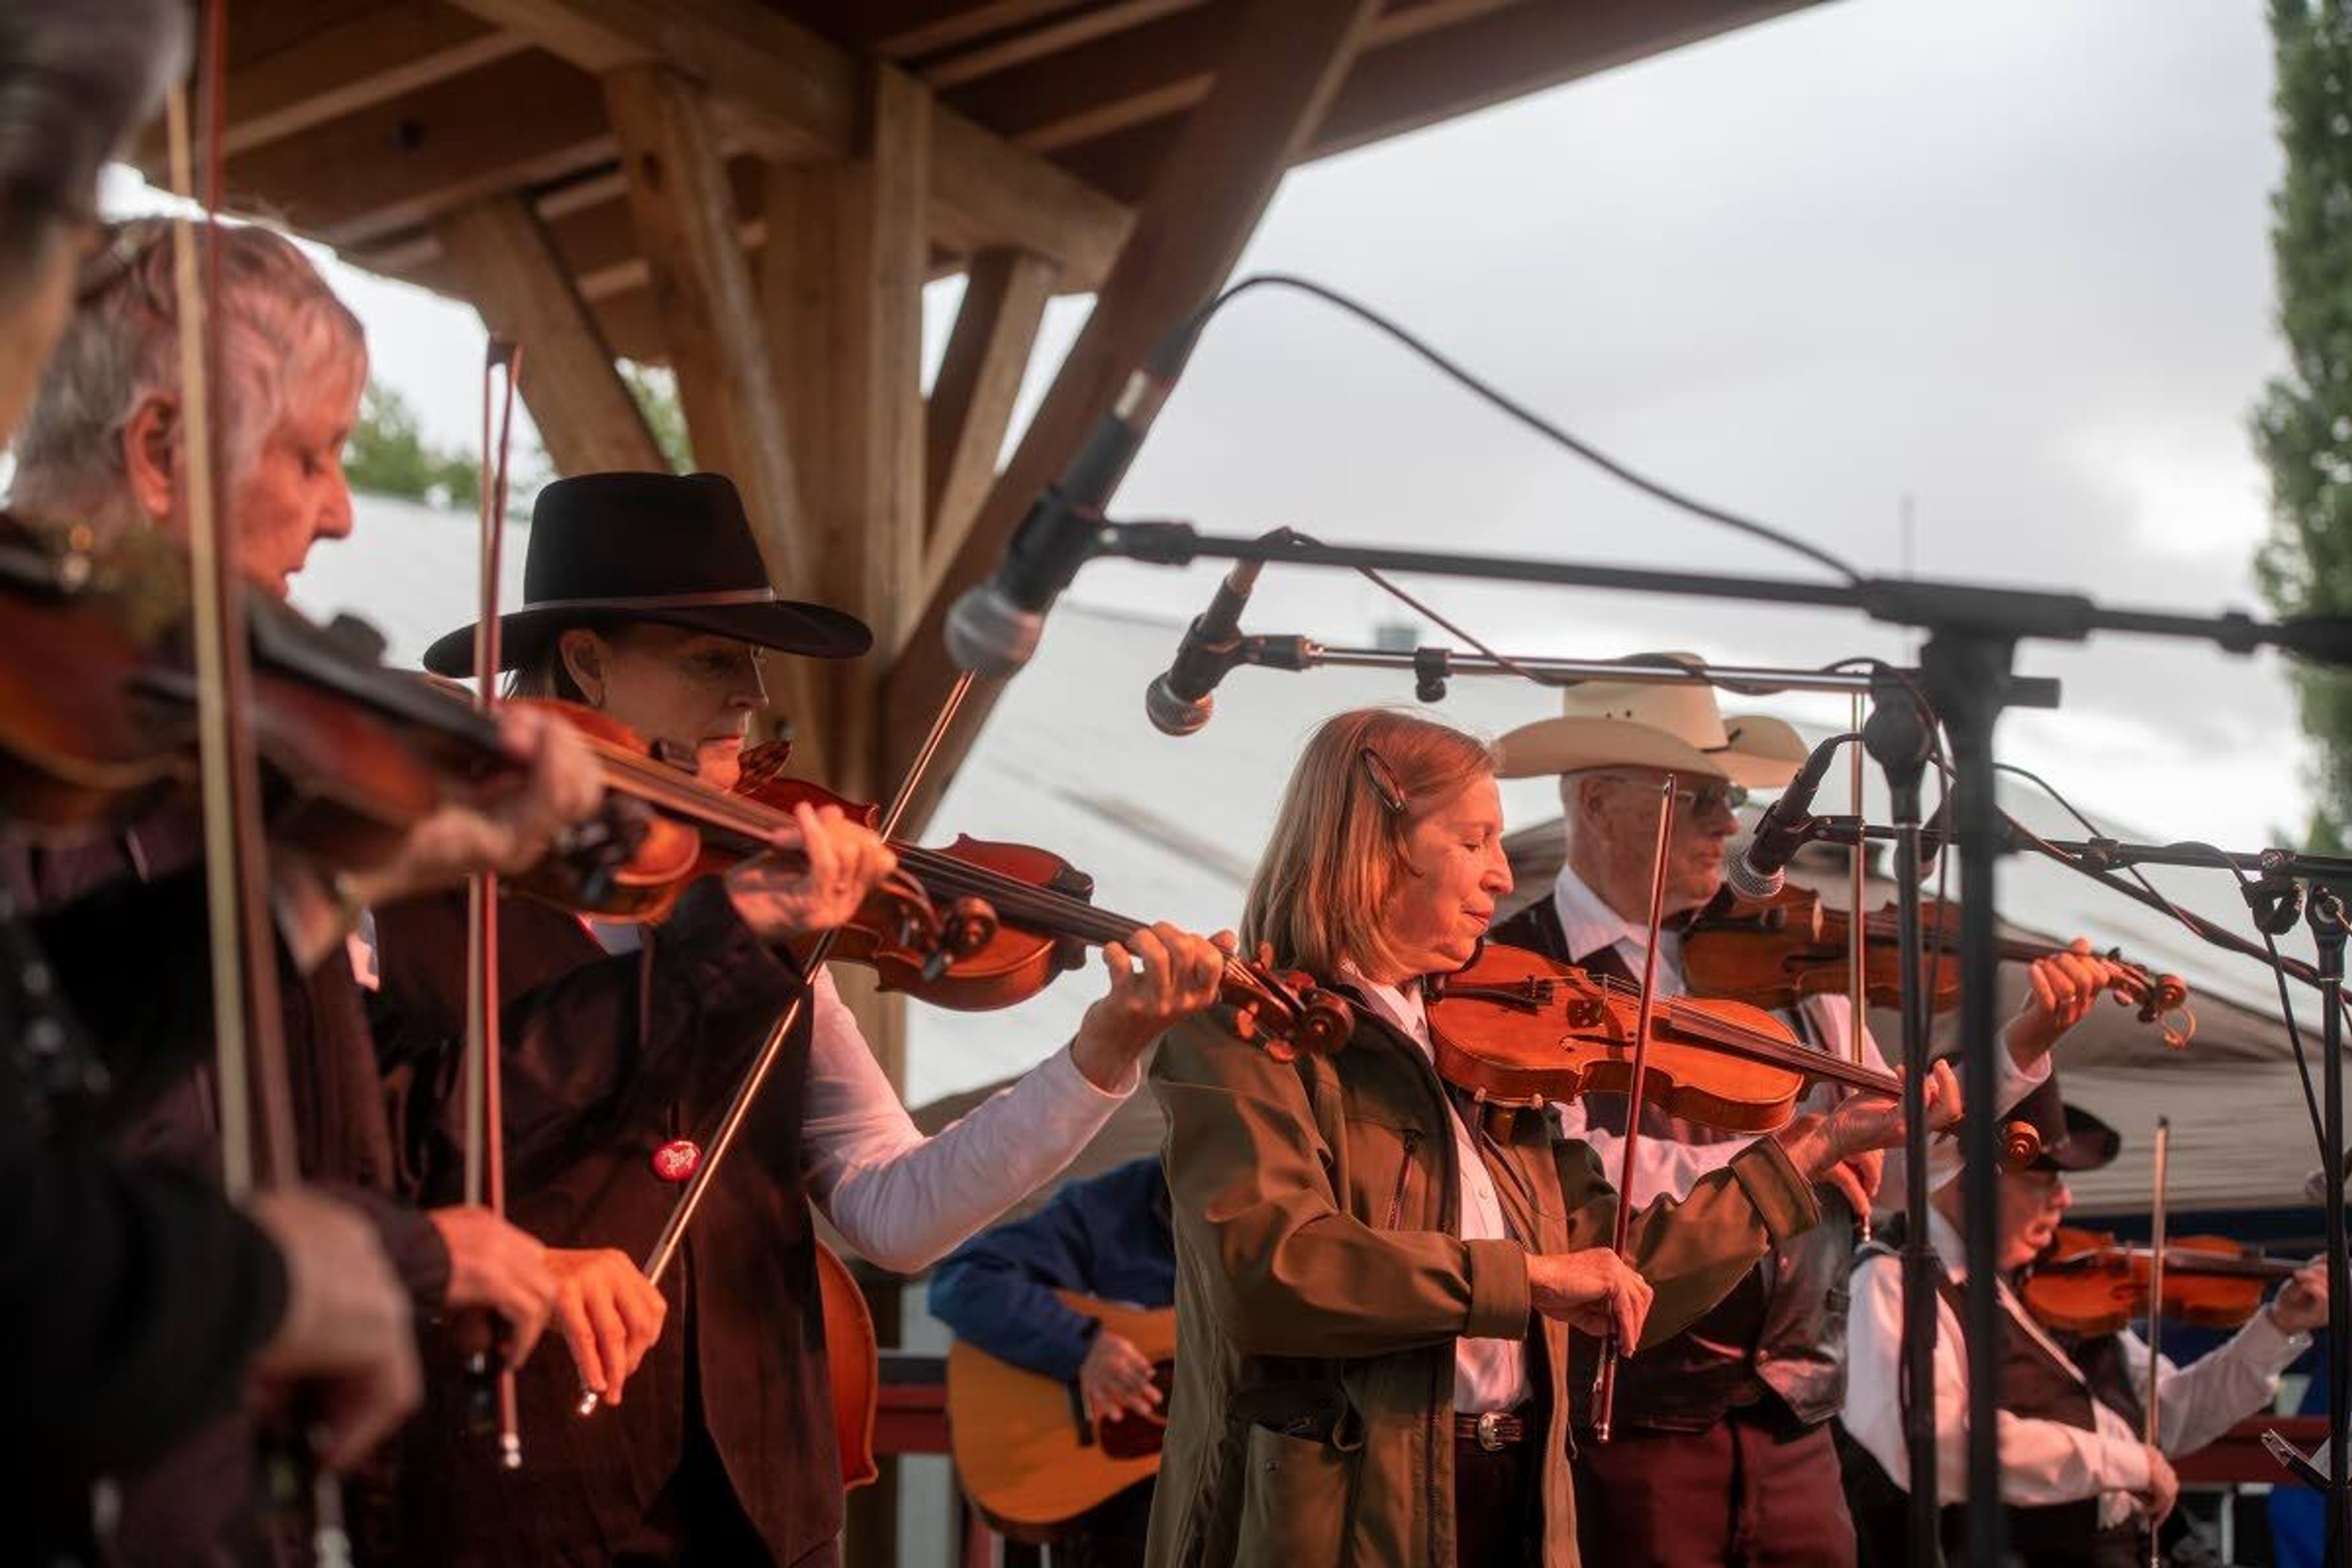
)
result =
(1698, 800)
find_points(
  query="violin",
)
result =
(98, 715)
(1775, 952)
(2086, 1282)
(1018, 916)
(1515, 1027)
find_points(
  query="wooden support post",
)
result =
(842, 277)
(971, 402)
(1285, 59)
(583, 409)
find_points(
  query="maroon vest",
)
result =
(729, 1418)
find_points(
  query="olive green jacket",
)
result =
(1320, 1286)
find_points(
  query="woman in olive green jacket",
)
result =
(1373, 1294)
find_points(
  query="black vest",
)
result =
(1783, 1327)
(733, 1397)
(2033, 1384)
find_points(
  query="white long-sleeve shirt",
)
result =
(2045, 1461)
(1488, 1374)
(903, 1200)
(1665, 1168)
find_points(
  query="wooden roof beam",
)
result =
(1286, 59)
(520, 120)
(1158, 71)
(499, 254)
(790, 94)
(1487, 58)
(350, 65)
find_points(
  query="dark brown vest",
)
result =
(2033, 1384)
(731, 1409)
(1783, 1327)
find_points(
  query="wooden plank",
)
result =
(702, 294)
(1523, 49)
(790, 94)
(584, 411)
(842, 280)
(518, 120)
(1153, 72)
(351, 64)
(1288, 58)
(1419, 76)
(1052, 36)
(971, 399)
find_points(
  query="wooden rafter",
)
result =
(1288, 59)
(348, 65)
(518, 120)
(788, 94)
(971, 400)
(1158, 71)
(583, 410)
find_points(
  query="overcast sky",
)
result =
(2008, 259)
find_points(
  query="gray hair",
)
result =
(279, 329)
(75, 81)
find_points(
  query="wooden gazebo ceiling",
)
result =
(361, 122)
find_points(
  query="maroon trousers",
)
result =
(1754, 1491)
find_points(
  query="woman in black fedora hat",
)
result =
(2082, 1487)
(646, 598)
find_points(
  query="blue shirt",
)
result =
(1107, 1237)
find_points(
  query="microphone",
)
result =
(1178, 702)
(1759, 872)
(994, 627)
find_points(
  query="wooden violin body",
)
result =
(2086, 1283)
(1516, 1026)
(1774, 952)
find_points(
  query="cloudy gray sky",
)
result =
(2005, 257)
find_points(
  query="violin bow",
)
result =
(1857, 955)
(488, 1365)
(1604, 1381)
(2156, 1311)
(664, 1251)
(256, 1112)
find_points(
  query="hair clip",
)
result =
(1384, 783)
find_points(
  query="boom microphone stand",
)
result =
(1965, 667)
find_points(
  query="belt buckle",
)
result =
(1490, 1431)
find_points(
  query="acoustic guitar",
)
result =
(1027, 1455)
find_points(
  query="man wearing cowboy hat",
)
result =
(1737, 1406)
(645, 599)
(2082, 1487)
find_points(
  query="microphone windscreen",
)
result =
(1173, 715)
(1745, 881)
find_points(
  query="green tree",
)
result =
(2303, 427)
(388, 455)
(656, 390)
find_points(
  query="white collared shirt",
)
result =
(1488, 1374)
(2045, 1461)
(1662, 1168)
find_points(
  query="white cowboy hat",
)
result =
(1636, 724)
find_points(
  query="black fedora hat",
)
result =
(674, 549)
